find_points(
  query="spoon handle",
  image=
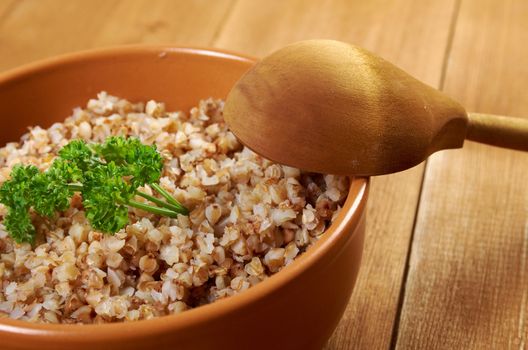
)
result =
(507, 132)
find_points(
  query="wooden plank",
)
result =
(42, 28)
(414, 35)
(6, 7)
(468, 278)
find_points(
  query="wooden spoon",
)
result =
(331, 107)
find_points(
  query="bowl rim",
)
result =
(161, 50)
(348, 218)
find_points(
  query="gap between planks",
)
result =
(223, 22)
(401, 297)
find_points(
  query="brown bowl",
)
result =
(298, 308)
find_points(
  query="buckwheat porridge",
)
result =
(247, 218)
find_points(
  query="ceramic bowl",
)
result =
(298, 308)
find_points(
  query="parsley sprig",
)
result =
(107, 175)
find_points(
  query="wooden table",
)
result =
(446, 255)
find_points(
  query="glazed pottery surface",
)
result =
(298, 308)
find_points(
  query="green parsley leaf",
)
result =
(142, 162)
(79, 154)
(105, 195)
(49, 191)
(16, 194)
(18, 223)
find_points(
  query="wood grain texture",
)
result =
(467, 286)
(6, 7)
(411, 34)
(35, 29)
